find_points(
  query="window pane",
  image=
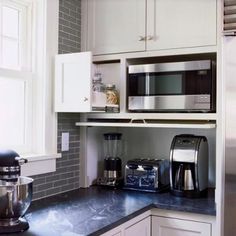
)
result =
(12, 112)
(10, 53)
(10, 19)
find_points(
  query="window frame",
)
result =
(42, 142)
(23, 72)
(46, 47)
(25, 36)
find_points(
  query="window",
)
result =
(15, 75)
(15, 33)
(27, 49)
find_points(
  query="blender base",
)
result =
(110, 182)
(7, 227)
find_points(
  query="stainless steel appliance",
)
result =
(112, 175)
(229, 99)
(186, 86)
(150, 175)
(189, 166)
(15, 193)
(227, 125)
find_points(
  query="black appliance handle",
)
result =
(147, 167)
(179, 177)
(132, 166)
(21, 160)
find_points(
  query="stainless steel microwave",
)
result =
(186, 86)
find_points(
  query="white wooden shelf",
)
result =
(181, 125)
(155, 116)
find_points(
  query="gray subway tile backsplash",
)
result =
(66, 176)
(53, 191)
(38, 195)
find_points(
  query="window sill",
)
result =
(39, 164)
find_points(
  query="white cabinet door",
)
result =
(116, 26)
(117, 234)
(73, 82)
(112, 233)
(180, 24)
(142, 228)
(162, 226)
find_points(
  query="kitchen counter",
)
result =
(96, 210)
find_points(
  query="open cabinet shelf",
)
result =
(145, 124)
(154, 116)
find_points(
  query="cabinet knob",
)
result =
(141, 38)
(149, 37)
(85, 99)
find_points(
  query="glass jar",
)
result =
(112, 98)
(99, 95)
(98, 86)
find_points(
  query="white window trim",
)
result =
(43, 158)
(39, 164)
(23, 72)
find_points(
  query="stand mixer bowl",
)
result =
(15, 199)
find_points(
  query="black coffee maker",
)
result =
(112, 174)
(189, 166)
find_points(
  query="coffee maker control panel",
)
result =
(186, 142)
(184, 148)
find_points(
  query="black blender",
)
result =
(112, 174)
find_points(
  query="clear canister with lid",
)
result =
(99, 95)
(112, 98)
(97, 83)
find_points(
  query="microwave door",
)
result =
(170, 90)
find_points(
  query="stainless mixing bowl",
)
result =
(15, 199)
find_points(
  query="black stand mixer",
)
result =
(15, 193)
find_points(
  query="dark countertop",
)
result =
(96, 210)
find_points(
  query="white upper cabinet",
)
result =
(116, 26)
(73, 82)
(180, 24)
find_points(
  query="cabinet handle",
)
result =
(142, 121)
(85, 99)
(149, 37)
(141, 38)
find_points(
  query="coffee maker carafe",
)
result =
(112, 174)
(183, 179)
(189, 166)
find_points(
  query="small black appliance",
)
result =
(112, 174)
(189, 166)
(15, 193)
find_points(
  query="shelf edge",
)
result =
(148, 125)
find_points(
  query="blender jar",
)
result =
(112, 155)
(112, 145)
